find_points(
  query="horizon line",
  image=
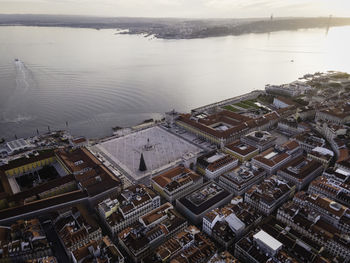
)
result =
(159, 17)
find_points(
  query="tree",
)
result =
(142, 166)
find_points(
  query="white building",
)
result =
(332, 212)
(17, 146)
(176, 183)
(274, 158)
(270, 194)
(301, 171)
(267, 242)
(329, 130)
(213, 164)
(337, 115)
(229, 223)
(260, 139)
(133, 202)
(107, 207)
(241, 178)
(309, 141)
(281, 103)
(322, 155)
(293, 89)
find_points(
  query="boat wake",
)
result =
(16, 119)
(24, 78)
(16, 107)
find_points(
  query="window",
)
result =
(78, 162)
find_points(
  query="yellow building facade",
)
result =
(28, 167)
(242, 158)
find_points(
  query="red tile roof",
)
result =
(239, 123)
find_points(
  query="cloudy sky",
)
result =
(180, 8)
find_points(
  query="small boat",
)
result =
(116, 128)
(292, 60)
(148, 121)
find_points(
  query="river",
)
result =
(96, 79)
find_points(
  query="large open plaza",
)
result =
(160, 149)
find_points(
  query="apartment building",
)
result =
(176, 183)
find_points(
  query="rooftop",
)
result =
(285, 100)
(260, 137)
(48, 259)
(203, 198)
(223, 257)
(324, 205)
(132, 198)
(190, 245)
(345, 163)
(175, 178)
(300, 167)
(238, 216)
(108, 204)
(23, 237)
(241, 148)
(225, 123)
(268, 240)
(156, 214)
(338, 174)
(272, 157)
(92, 175)
(243, 173)
(338, 112)
(102, 250)
(310, 139)
(43, 204)
(322, 151)
(139, 235)
(286, 245)
(270, 190)
(17, 145)
(310, 220)
(31, 158)
(74, 225)
(215, 160)
(79, 140)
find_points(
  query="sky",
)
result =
(180, 8)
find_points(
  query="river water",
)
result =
(95, 79)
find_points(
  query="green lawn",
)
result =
(230, 108)
(245, 104)
(251, 103)
(242, 105)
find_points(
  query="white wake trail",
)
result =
(22, 76)
(15, 109)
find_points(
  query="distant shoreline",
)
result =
(176, 28)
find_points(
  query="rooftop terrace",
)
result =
(203, 198)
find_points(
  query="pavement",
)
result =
(159, 147)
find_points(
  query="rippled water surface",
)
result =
(94, 79)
